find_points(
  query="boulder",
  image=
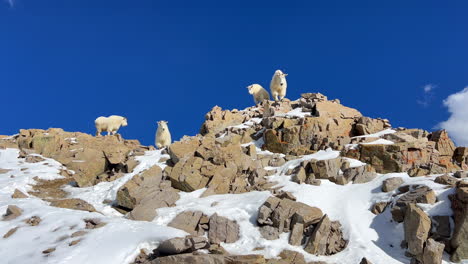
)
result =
(188, 221)
(391, 184)
(379, 207)
(446, 180)
(366, 125)
(326, 239)
(180, 245)
(461, 174)
(270, 232)
(417, 226)
(459, 241)
(365, 261)
(185, 147)
(12, 212)
(420, 194)
(189, 258)
(433, 252)
(278, 213)
(361, 174)
(222, 229)
(145, 210)
(139, 186)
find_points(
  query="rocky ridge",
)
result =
(236, 152)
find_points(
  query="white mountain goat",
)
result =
(109, 124)
(258, 92)
(278, 85)
(163, 136)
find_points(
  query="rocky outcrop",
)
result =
(412, 150)
(93, 159)
(305, 223)
(459, 241)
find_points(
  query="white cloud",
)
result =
(428, 87)
(427, 96)
(11, 2)
(457, 124)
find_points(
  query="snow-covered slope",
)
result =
(119, 241)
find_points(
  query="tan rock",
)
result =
(18, 194)
(433, 252)
(222, 230)
(417, 226)
(73, 203)
(12, 212)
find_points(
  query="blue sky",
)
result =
(64, 63)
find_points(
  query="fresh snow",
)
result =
(378, 134)
(380, 141)
(120, 240)
(295, 113)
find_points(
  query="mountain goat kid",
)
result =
(258, 92)
(163, 136)
(109, 124)
(278, 85)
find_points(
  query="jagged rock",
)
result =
(186, 176)
(278, 213)
(217, 120)
(421, 194)
(140, 186)
(443, 144)
(459, 241)
(180, 245)
(33, 158)
(93, 159)
(222, 230)
(48, 251)
(379, 207)
(269, 232)
(433, 252)
(188, 221)
(73, 203)
(145, 210)
(17, 194)
(461, 174)
(417, 226)
(391, 184)
(12, 212)
(245, 259)
(446, 180)
(326, 238)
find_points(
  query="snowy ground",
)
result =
(375, 237)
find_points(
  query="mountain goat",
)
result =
(258, 92)
(109, 124)
(278, 85)
(163, 136)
